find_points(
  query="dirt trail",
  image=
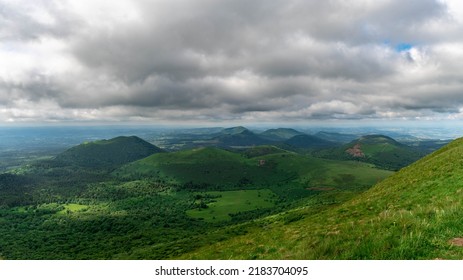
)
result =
(457, 242)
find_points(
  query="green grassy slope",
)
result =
(213, 168)
(380, 150)
(108, 153)
(414, 214)
(199, 166)
(259, 151)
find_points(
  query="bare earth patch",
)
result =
(355, 151)
(457, 241)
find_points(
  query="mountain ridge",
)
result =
(383, 151)
(106, 153)
(280, 134)
(305, 141)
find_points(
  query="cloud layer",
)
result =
(230, 60)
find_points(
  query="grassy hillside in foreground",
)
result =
(414, 214)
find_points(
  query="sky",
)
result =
(238, 61)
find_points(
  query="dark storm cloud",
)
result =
(229, 59)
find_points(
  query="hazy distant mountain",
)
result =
(233, 130)
(308, 142)
(280, 134)
(336, 137)
(427, 146)
(238, 137)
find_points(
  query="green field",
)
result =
(53, 208)
(230, 202)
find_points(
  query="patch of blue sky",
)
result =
(403, 47)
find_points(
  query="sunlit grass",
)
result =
(71, 208)
(411, 215)
(231, 202)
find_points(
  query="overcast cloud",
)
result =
(230, 60)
